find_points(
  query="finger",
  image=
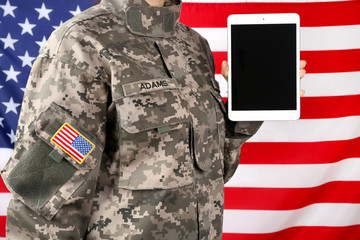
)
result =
(225, 69)
(302, 92)
(302, 73)
(302, 63)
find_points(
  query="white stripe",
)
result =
(295, 175)
(264, 1)
(216, 37)
(330, 38)
(311, 38)
(5, 154)
(4, 200)
(2, 238)
(223, 85)
(65, 137)
(264, 221)
(59, 138)
(331, 84)
(318, 84)
(310, 130)
(69, 132)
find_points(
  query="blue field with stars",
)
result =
(24, 28)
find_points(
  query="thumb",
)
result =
(225, 69)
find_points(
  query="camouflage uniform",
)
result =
(139, 87)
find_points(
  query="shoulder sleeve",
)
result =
(59, 141)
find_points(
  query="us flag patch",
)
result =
(73, 143)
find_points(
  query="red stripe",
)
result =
(63, 137)
(3, 188)
(219, 57)
(291, 198)
(71, 153)
(330, 107)
(311, 14)
(66, 133)
(332, 61)
(2, 226)
(71, 132)
(317, 61)
(299, 152)
(302, 233)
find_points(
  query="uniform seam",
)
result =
(69, 29)
(90, 73)
(186, 28)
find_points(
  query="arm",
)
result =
(238, 128)
(52, 191)
(236, 133)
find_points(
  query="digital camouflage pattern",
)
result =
(139, 85)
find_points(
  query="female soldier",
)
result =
(123, 133)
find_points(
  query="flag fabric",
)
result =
(297, 180)
(24, 28)
(73, 143)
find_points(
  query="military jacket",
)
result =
(123, 133)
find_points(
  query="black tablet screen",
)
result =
(263, 67)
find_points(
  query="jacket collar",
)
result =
(145, 20)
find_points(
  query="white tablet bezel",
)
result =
(256, 115)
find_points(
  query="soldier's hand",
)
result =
(225, 71)
(302, 74)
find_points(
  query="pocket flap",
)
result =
(148, 86)
(62, 132)
(151, 108)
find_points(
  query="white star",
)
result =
(1, 86)
(11, 74)
(27, 27)
(77, 11)
(1, 121)
(9, 42)
(1, 54)
(26, 59)
(41, 43)
(11, 135)
(8, 9)
(11, 106)
(43, 12)
(55, 27)
(23, 89)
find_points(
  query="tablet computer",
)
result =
(264, 66)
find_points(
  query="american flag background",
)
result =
(297, 180)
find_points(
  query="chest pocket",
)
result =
(154, 125)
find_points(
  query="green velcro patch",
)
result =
(56, 156)
(164, 129)
(37, 177)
